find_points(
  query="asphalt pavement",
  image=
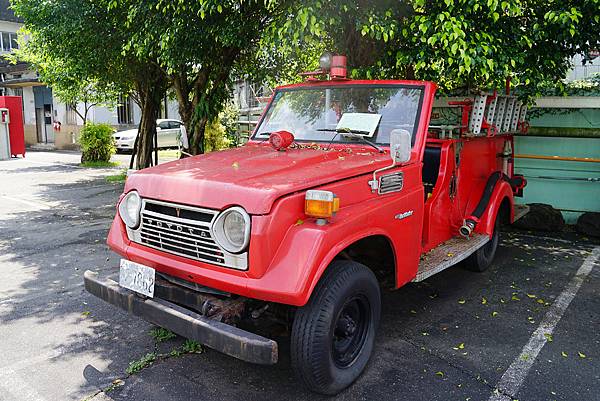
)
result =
(526, 329)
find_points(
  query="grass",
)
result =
(121, 177)
(171, 153)
(99, 164)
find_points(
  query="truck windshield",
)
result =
(313, 113)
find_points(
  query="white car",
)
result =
(168, 132)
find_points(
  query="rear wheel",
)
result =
(484, 256)
(333, 334)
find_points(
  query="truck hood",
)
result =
(253, 176)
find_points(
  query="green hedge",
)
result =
(97, 143)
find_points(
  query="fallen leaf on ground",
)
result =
(494, 314)
(461, 301)
(564, 354)
(483, 301)
(299, 222)
(440, 373)
(581, 354)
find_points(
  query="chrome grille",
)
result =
(391, 183)
(184, 231)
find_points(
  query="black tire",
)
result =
(482, 258)
(333, 334)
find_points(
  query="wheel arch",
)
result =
(501, 202)
(358, 242)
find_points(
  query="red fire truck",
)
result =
(346, 188)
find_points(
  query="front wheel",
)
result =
(333, 334)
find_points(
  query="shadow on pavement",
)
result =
(418, 353)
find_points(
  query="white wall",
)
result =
(580, 71)
(28, 105)
(7, 26)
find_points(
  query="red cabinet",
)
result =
(14, 104)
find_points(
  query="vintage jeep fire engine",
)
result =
(345, 188)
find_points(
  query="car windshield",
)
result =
(314, 113)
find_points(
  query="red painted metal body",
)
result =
(286, 259)
(16, 128)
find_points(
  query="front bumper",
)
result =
(124, 144)
(219, 336)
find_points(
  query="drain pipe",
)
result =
(471, 222)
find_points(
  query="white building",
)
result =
(41, 109)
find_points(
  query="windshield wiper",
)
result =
(264, 134)
(353, 133)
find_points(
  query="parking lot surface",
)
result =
(526, 329)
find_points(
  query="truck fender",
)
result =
(501, 192)
(339, 247)
(306, 251)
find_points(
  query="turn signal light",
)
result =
(321, 204)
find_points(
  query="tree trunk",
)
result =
(197, 137)
(146, 132)
(151, 88)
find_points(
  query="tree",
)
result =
(79, 47)
(199, 45)
(460, 44)
(68, 84)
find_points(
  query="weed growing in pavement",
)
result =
(141, 363)
(117, 177)
(191, 347)
(161, 334)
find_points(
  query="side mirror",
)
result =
(400, 145)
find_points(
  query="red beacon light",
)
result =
(281, 140)
(333, 66)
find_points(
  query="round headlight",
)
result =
(129, 209)
(231, 229)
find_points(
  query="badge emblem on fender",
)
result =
(404, 215)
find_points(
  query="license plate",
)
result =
(137, 277)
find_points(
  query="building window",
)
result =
(8, 41)
(71, 115)
(124, 114)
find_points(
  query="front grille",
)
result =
(184, 231)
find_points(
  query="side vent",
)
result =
(391, 183)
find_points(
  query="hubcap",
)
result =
(350, 331)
